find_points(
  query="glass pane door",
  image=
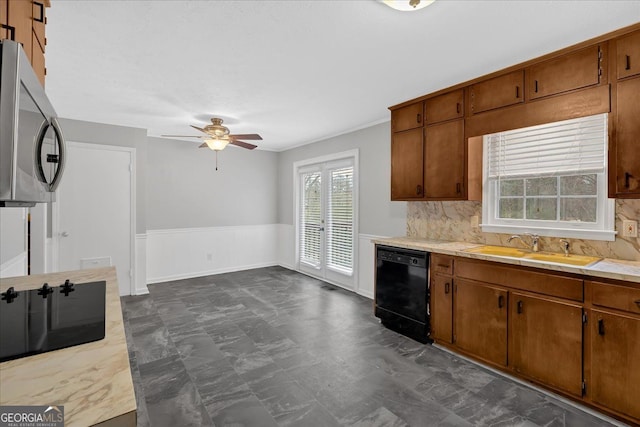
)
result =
(326, 223)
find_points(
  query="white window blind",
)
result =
(311, 218)
(340, 220)
(560, 148)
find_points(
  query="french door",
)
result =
(326, 221)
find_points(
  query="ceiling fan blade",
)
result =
(182, 136)
(249, 136)
(203, 145)
(200, 129)
(243, 144)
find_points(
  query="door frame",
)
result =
(343, 155)
(55, 211)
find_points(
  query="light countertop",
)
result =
(606, 268)
(92, 381)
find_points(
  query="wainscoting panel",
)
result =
(192, 252)
(140, 281)
(366, 265)
(16, 266)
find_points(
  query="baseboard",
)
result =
(16, 266)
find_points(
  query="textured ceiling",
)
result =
(293, 71)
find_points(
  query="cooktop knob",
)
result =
(66, 288)
(45, 290)
(10, 295)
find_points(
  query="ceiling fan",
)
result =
(217, 136)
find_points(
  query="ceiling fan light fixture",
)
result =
(407, 5)
(217, 144)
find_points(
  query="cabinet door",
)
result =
(39, 19)
(497, 92)
(545, 341)
(407, 156)
(441, 308)
(444, 107)
(3, 19)
(480, 320)
(628, 55)
(568, 72)
(37, 60)
(409, 117)
(627, 136)
(444, 161)
(615, 362)
(20, 13)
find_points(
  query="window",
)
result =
(549, 179)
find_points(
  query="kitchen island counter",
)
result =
(92, 381)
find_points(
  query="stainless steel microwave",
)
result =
(32, 149)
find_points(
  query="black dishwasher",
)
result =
(402, 291)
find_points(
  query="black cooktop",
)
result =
(50, 318)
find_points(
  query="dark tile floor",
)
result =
(272, 347)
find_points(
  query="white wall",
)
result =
(13, 243)
(184, 190)
(201, 221)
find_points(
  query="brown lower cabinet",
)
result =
(615, 362)
(545, 341)
(480, 319)
(441, 308)
(571, 333)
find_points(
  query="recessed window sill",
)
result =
(576, 233)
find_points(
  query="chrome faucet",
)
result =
(534, 240)
(565, 246)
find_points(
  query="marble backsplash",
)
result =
(452, 221)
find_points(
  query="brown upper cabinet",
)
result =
(626, 163)
(497, 92)
(24, 21)
(444, 107)
(444, 161)
(575, 70)
(409, 117)
(407, 173)
(628, 55)
(4, 22)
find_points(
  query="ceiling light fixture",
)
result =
(407, 5)
(218, 143)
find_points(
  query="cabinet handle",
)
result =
(41, 6)
(637, 302)
(458, 188)
(501, 301)
(419, 118)
(627, 175)
(447, 288)
(458, 105)
(600, 327)
(446, 266)
(519, 307)
(12, 31)
(535, 86)
(517, 91)
(419, 190)
(628, 60)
